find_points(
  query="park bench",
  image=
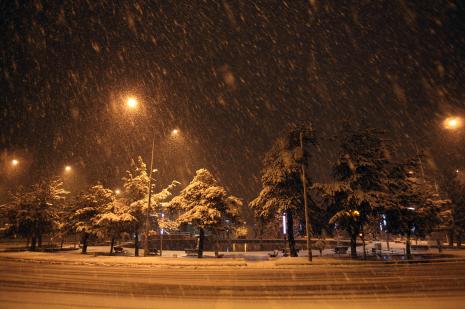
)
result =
(153, 251)
(419, 247)
(119, 250)
(191, 252)
(341, 249)
(274, 253)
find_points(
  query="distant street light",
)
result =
(117, 191)
(131, 103)
(14, 162)
(68, 168)
(175, 132)
(452, 123)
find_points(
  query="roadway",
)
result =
(47, 285)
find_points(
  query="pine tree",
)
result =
(36, 211)
(205, 204)
(136, 196)
(455, 190)
(85, 210)
(413, 206)
(361, 174)
(282, 191)
(112, 220)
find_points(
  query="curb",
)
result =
(103, 263)
(369, 263)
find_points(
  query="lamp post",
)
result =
(132, 103)
(147, 214)
(304, 183)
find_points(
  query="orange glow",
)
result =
(452, 123)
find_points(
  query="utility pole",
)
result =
(304, 184)
(147, 214)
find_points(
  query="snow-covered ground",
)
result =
(99, 255)
(347, 285)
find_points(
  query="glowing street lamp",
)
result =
(68, 168)
(131, 103)
(14, 162)
(452, 123)
(117, 191)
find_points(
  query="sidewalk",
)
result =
(98, 256)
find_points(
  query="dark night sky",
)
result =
(229, 74)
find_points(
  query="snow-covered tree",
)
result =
(361, 175)
(455, 190)
(112, 220)
(136, 185)
(85, 210)
(205, 204)
(413, 206)
(34, 212)
(282, 191)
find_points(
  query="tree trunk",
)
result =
(387, 241)
(353, 244)
(39, 240)
(408, 251)
(260, 235)
(217, 244)
(85, 239)
(33, 242)
(364, 245)
(62, 242)
(290, 233)
(451, 237)
(201, 241)
(112, 244)
(136, 244)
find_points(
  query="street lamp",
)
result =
(117, 191)
(14, 162)
(132, 103)
(68, 168)
(452, 123)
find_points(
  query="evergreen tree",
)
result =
(85, 209)
(136, 185)
(37, 211)
(455, 190)
(205, 204)
(413, 206)
(282, 191)
(112, 220)
(361, 175)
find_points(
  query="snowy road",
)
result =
(32, 285)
